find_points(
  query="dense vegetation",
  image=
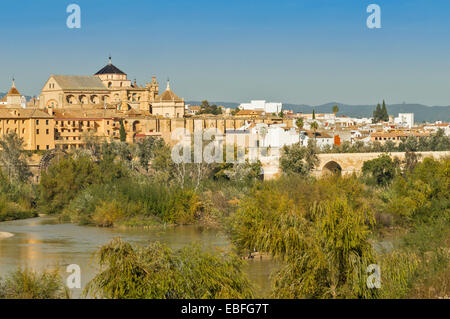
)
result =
(17, 199)
(112, 184)
(156, 271)
(323, 232)
(206, 108)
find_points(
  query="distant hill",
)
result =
(422, 113)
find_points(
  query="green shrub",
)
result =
(158, 272)
(27, 284)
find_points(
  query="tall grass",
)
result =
(28, 284)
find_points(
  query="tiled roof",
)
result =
(168, 95)
(76, 82)
(23, 113)
(13, 91)
(400, 134)
(110, 69)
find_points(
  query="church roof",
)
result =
(77, 82)
(13, 91)
(110, 69)
(168, 95)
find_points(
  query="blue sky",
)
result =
(304, 51)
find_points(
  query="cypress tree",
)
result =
(377, 114)
(123, 134)
(384, 113)
(313, 115)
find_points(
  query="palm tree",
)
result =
(263, 132)
(335, 110)
(299, 123)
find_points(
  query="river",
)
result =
(39, 243)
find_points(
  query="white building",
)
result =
(261, 105)
(405, 120)
(438, 125)
(275, 135)
(322, 139)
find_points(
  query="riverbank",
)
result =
(15, 215)
(4, 235)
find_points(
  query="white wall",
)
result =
(261, 105)
(405, 119)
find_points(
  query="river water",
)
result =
(42, 242)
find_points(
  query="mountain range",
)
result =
(422, 113)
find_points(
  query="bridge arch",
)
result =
(332, 167)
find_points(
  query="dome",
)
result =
(110, 69)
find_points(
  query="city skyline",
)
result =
(307, 52)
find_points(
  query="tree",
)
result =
(158, 272)
(122, 132)
(382, 169)
(12, 157)
(380, 113)
(314, 127)
(334, 258)
(145, 150)
(299, 123)
(410, 162)
(297, 159)
(384, 116)
(377, 114)
(311, 158)
(335, 109)
(263, 130)
(63, 180)
(319, 232)
(313, 115)
(206, 108)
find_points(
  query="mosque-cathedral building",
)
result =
(71, 106)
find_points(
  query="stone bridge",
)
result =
(344, 163)
(348, 163)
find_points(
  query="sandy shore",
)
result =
(4, 235)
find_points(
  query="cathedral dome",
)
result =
(110, 69)
(169, 95)
(13, 90)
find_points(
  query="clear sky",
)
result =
(304, 51)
